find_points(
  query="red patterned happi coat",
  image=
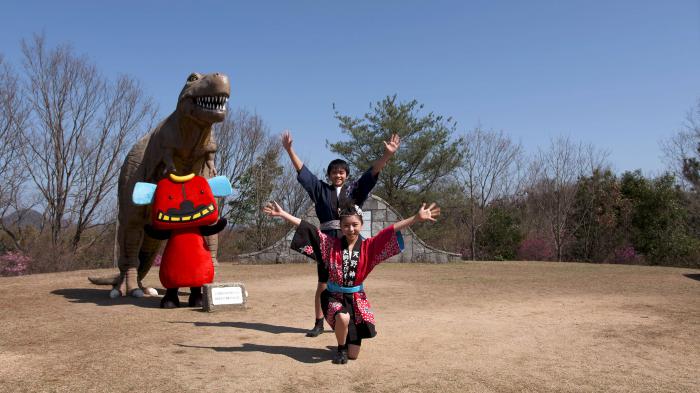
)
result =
(348, 268)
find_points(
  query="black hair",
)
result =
(338, 164)
(348, 208)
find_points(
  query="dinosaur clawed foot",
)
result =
(115, 293)
(148, 291)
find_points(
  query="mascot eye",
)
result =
(192, 78)
(170, 197)
(201, 191)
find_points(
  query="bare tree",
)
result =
(552, 188)
(13, 119)
(289, 193)
(682, 146)
(250, 157)
(242, 138)
(490, 170)
(123, 113)
(81, 127)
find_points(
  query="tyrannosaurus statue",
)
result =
(182, 143)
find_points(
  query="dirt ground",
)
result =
(467, 327)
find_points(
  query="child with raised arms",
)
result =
(328, 197)
(349, 260)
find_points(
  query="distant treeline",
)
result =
(65, 128)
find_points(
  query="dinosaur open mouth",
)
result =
(212, 103)
(173, 216)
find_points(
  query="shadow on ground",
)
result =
(693, 276)
(303, 355)
(101, 297)
(262, 327)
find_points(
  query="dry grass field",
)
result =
(467, 327)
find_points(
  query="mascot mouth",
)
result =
(184, 216)
(212, 103)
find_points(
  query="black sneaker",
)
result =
(341, 356)
(315, 331)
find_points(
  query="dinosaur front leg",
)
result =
(169, 162)
(210, 164)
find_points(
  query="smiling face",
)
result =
(337, 177)
(351, 227)
(183, 202)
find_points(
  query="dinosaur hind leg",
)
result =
(147, 254)
(130, 238)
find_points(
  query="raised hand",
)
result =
(272, 209)
(287, 139)
(393, 144)
(428, 213)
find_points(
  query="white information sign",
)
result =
(366, 224)
(226, 295)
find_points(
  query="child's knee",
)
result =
(353, 351)
(342, 317)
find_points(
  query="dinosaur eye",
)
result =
(192, 78)
(201, 191)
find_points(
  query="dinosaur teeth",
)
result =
(212, 102)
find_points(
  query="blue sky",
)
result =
(618, 74)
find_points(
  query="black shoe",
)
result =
(170, 300)
(318, 329)
(195, 299)
(341, 356)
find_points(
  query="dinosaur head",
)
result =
(204, 97)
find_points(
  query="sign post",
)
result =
(222, 296)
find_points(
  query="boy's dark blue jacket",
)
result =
(324, 195)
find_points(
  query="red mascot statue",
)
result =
(183, 211)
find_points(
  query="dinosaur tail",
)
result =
(105, 280)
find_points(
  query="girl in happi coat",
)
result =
(349, 261)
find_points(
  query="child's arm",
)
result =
(360, 189)
(424, 214)
(287, 144)
(307, 179)
(272, 209)
(389, 150)
(307, 239)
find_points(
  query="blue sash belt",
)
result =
(333, 287)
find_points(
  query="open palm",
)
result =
(272, 209)
(393, 144)
(287, 139)
(428, 213)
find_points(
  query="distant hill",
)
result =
(24, 218)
